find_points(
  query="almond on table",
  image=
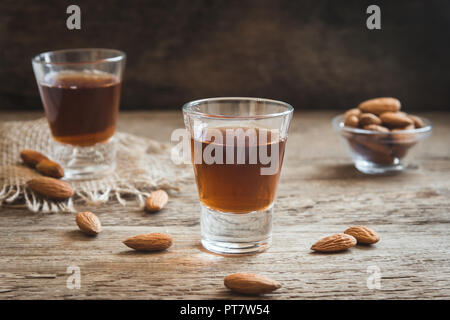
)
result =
(149, 242)
(363, 234)
(334, 243)
(88, 223)
(249, 283)
(156, 201)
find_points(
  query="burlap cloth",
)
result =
(142, 165)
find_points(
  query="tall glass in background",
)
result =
(80, 90)
(237, 149)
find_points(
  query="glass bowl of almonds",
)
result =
(379, 136)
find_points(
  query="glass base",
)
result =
(236, 233)
(374, 168)
(86, 163)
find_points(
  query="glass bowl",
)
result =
(379, 152)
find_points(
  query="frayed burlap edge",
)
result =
(142, 166)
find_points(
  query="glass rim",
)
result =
(187, 108)
(338, 124)
(119, 56)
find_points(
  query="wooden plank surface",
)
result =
(320, 193)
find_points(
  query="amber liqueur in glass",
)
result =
(237, 187)
(81, 106)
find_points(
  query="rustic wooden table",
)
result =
(320, 193)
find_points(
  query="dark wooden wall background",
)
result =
(314, 54)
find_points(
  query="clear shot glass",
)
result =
(80, 90)
(237, 149)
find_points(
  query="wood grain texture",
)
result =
(320, 194)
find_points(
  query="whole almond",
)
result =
(368, 118)
(352, 112)
(380, 105)
(363, 234)
(156, 200)
(149, 242)
(50, 168)
(31, 157)
(408, 127)
(88, 223)
(334, 243)
(418, 122)
(404, 137)
(395, 120)
(375, 127)
(249, 283)
(51, 188)
(351, 121)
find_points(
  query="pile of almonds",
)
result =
(381, 115)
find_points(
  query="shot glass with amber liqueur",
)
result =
(237, 150)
